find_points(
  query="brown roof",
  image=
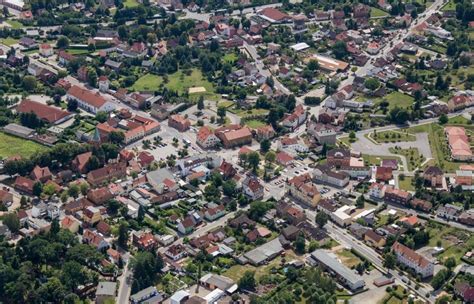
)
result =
(274, 14)
(40, 173)
(373, 235)
(410, 255)
(95, 100)
(44, 112)
(81, 160)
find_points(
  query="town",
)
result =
(247, 152)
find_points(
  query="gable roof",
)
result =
(44, 112)
(96, 100)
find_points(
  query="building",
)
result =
(324, 133)
(89, 101)
(24, 184)
(376, 191)
(449, 212)
(213, 213)
(79, 163)
(292, 145)
(106, 291)
(234, 135)
(179, 123)
(147, 295)
(176, 252)
(295, 119)
(144, 240)
(341, 215)
(329, 261)
(420, 204)
(302, 188)
(264, 253)
(338, 157)
(329, 64)
(325, 175)
(433, 176)
(70, 223)
(253, 188)
(213, 281)
(265, 132)
(91, 215)
(459, 143)
(94, 239)
(383, 174)
(41, 174)
(48, 114)
(460, 102)
(107, 173)
(374, 239)
(396, 196)
(46, 50)
(413, 260)
(274, 15)
(206, 138)
(18, 5)
(6, 197)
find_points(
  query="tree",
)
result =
(122, 239)
(200, 104)
(352, 135)
(339, 49)
(54, 227)
(72, 105)
(390, 260)
(37, 188)
(443, 119)
(321, 219)
(440, 278)
(74, 190)
(253, 159)
(141, 214)
(72, 275)
(49, 189)
(313, 65)
(265, 145)
(270, 157)
(398, 115)
(221, 112)
(312, 101)
(450, 263)
(247, 281)
(29, 83)
(372, 84)
(12, 222)
(229, 187)
(101, 116)
(360, 202)
(117, 137)
(144, 265)
(92, 76)
(300, 244)
(62, 42)
(84, 187)
(258, 209)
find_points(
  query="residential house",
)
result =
(176, 252)
(213, 213)
(6, 197)
(295, 119)
(94, 239)
(70, 223)
(265, 132)
(186, 225)
(234, 135)
(383, 174)
(91, 215)
(253, 188)
(414, 260)
(106, 292)
(449, 212)
(48, 114)
(374, 239)
(325, 175)
(206, 138)
(420, 204)
(41, 174)
(376, 191)
(303, 189)
(144, 240)
(396, 196)
(179, 123)
(459, 143)
(107, 173)
(24, 184)
(433, 176)
(79, 163)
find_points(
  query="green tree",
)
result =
(443, 119)
(122, 239)
(265, 145)
(360, 202)
(229, 187)
(390, 260)
(221, 112)
(29, 83)
(372, 84)
(12, 222)
(74, 190)
(62, 42)
(200, 104)
(84, 187)
(270, 157)
(450, 263)
(247, 281)
(101, 116)
(321, 219)
(117, 137)
(339, 49)
(37, 188)
(300, 244)
(253, 159)
(49, 189)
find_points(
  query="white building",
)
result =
(89, 101)
(412, 259)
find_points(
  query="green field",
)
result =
(450, 6)
(249, 113)
(77, 51)
(414, 159)
(254, 124)
(178, 81)
(11, 145)
(392, 136)
(397, 99)
(348, 258)
(9, 41)
(372, 160)
(130, 3)
(16, 25)
(406, 183)
(377, 12)
(230, 58)
(446, 235)
(459, 120)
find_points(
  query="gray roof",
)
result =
(106, 289)
(267, 250)
(143, 293)
(219, 281)
(158, 176)
(16, 128)
(331, 262)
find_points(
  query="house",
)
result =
(242, 221)
(234, 135)
(186, 225)
(459, 143)
(176, 252)
(103, 228)
(48, 114)
(325, 175)
(413, 260)
(449, 212)
(147, 295)
(290, 232)
(106, 292)
(338, 157)
(213, 213)
(376, 191)
(383, 174)
(27, 42)
(303, 189)
(374, 239)
(91, 215)
(265, 132)
(433, 176)
(41, 174)
(99, 196)
(460, 102)
(396, 196)
(24, 184)
(213, 281)
(107, 173)
(227, 170)
(389, 163)
(295, 119)
(94, 239)
(79, 163)
(144, 240)
(284, 158)
(6, 197)
(46, 50)
(89, 101)
(206, 138)
(292, 145)
(253, 188)
(264, 253)
(324, 133)
(65, 58)
(420, 204)
(179, 123)
(70, 223)
(103, 83)
(290, 213)
(464, 291)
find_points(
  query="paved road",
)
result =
(124, 288)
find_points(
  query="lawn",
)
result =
(346, 141)
(230, 58)
(11, 145)
(456, 242)
(130, 3)
(406, 183)
(16, 25)
(225, 103)
(77, 51)
(372, 160)
(9, 41)
(179, 81)
(254, 124)
(397, 99)
(392, 136)
(348, 258)
(412, 155)
(450, 6)
(249, 113)
(459, 120)
(376, 12)
(236, 272)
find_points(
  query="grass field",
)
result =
(16, 25)
(459, 120)
(377, 12)
(346, 141)
(348, 258)
(178, 81)
(412, 155)
(392, 136)
(450, 6)
(249, 113)
(397, 99)
(406, 183)
(456, 242)
(11, 145)
(372, 160)
(230, 58)
(9, 41)
(130, 3)
(254, 124)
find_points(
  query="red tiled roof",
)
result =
(95, 100)
(410, 255)
(44, 112)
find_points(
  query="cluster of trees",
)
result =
(147, 270)
(47, 268)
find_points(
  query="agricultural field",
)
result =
(12, 145)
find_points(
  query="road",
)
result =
(124, 288)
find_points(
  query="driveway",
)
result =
(366, 146)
